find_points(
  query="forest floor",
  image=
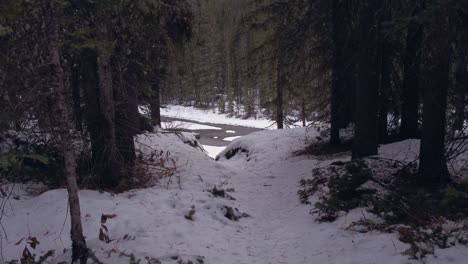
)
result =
(253, 216)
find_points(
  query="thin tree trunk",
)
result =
(367, 93)
(156, 105)
(303, 112)
(77, 112)
(411, 75)
(65, 134)
(279, 95)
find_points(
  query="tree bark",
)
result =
(279, 94)
(367, 93)
(156, 105)
(64, 132)
(433, 170)
(303, 112)
(127, 121)
(110, 175)
(461, 87)
(77, 111)
(411, 75)
(89, 84)
(385, 86)
(339, 108)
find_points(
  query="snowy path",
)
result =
(277, 231)
(281, 230)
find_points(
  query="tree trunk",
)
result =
(64, 132)
(367, 92)
(385, 87)
(77, 112)
(303, 112)
(279, 94)
(127, 122)
(339, 109)
(156, 105)
(433, 170)
(111, 160)
(461, 87)
(411, 75)
(89, 84)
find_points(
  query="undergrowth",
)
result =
(425, 219)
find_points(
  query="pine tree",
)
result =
(366, 129)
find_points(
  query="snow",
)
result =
(231, 138)
(213, 116)
(154, 216)
(187, 125)
(208, 116)
(264, 182)
(230, 131)
(407, 150)
(213, 151)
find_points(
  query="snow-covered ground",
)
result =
(151, 222)
(211, 116)
(213, 151)
(186, 126)
(230, 138)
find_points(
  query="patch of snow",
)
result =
(187, 126)
(213, 151)
(144, 110)
(210, 116)
(230, 131)
(231, 138)
(407, 150)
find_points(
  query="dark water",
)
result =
(207, 136)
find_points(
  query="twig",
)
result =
(64, 222)
(225, 182)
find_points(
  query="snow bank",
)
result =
(149, 223)
(407, 150)
(213, 151)
(271, 145)
(231, 138)
(211, 116)
(187, 126)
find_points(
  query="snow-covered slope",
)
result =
(263, 178)
(149, 223)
